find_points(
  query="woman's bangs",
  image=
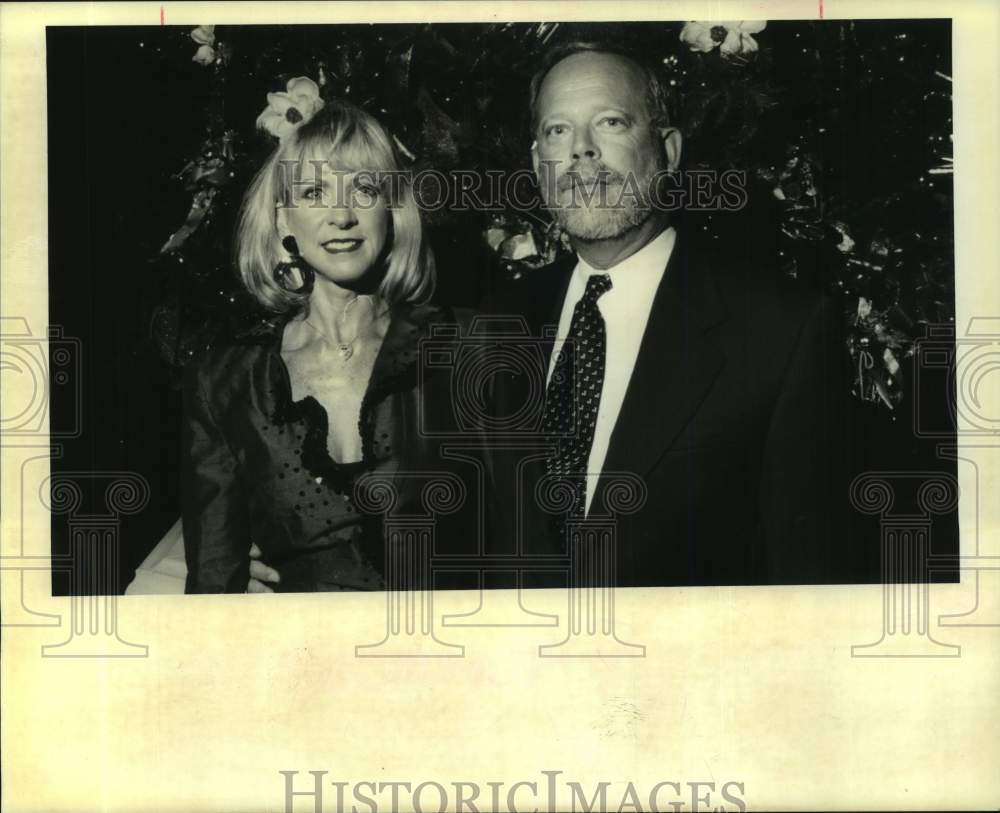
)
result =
(342, 148)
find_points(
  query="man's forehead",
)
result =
(592, 77)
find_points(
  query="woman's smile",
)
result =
(339, 245)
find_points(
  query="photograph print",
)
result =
(382, 307)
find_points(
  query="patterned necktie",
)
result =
(574, 391)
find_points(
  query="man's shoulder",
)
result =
(529, 290)
(757, 292)
(769, 317)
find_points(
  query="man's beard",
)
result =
(601, 213)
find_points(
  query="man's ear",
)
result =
(670, 137)
(534, 156)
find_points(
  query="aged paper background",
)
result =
(753, 685)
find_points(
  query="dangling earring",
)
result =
(287, 274)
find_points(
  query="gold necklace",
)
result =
(344, 349)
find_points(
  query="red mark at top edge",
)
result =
(820, 11)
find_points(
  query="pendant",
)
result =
(345, 350)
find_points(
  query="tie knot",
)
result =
(597, 286)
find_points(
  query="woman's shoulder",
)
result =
(233, 352)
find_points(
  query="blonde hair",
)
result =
(352, 140)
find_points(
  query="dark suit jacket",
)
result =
(737, 419)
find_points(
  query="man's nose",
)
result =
(584, 146)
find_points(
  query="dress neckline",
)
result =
(394, 369)
(318, 418)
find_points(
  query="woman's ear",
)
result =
(390, 239)
(282, 227)
(281, 220)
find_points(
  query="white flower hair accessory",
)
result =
(288, 111)
(204, 35)
(731, 37)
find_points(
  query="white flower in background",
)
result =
(731, 37)
(288, 111)
(495, 236)
(204, 35)
(519, 246)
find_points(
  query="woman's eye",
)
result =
(312, 193)
(365, 196)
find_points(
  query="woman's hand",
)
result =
(260, 573)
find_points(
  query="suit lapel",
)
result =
(550, 302)
(539, 304)
(677, 364)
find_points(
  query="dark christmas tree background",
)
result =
(842, 128)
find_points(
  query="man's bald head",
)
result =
(656, 95)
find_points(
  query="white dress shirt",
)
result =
(625, 309)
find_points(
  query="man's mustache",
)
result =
(588, 174)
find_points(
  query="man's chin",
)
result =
(590, 226)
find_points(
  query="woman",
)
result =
(282, 422)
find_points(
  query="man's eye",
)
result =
(556, 130)
(613, 122)
(312, 193)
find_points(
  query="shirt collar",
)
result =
(639, 272)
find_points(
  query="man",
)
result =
(727, 397)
